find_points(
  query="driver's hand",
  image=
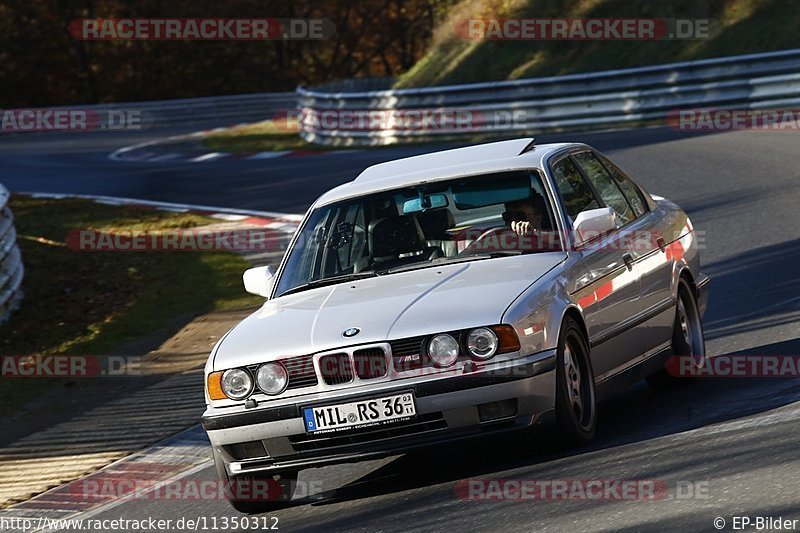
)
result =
(522, 227)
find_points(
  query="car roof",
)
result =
(480, 159)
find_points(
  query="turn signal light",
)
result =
(506, 338)
(214, 385)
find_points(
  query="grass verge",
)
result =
(266, 136)
(737, 27)
(91, 303)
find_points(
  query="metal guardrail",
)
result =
(11, 269)
(220, 110)
(578, 101)
(243, 107)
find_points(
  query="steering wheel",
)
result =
(475, 245)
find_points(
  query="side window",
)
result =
(575, 192)
(605, 186)
(631, 191)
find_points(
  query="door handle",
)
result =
(662, 244)
(628, 258)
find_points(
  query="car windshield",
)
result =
(425, 225)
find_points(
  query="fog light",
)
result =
(253, 449)
(497, 410)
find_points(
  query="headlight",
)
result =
(443, 350)
(482, 343)
(236, 384)
(272, 378)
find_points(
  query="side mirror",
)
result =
(593, 223)
(259, 281)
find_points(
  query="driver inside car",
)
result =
(523, 217)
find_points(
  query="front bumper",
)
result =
(447, 410)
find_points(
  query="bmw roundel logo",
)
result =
(351, 332)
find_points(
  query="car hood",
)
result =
(393, 306)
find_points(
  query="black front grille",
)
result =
(422, 424)
(370, 363)
(407, 354)
(301, 371)
(336, 369)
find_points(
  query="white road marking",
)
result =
(209, 157)
(229, 218)
(118, 155)
(166, 157)
(268, 155)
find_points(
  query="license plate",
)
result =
(365, 413)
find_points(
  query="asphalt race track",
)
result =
(735, 437)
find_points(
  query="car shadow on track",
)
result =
(635, 415)
(759, 288)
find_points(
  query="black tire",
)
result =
(687, 339)
(576, 403)
(249, 485)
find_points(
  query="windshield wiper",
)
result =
(501, 253)
(452, 260)
(333, 280)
